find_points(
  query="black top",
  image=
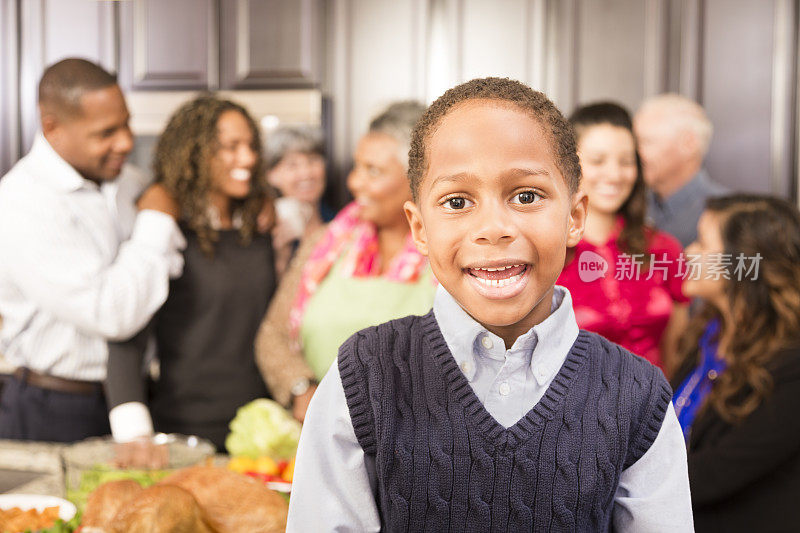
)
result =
(746, 477)
(204, 334)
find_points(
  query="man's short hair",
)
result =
(683, 114)
(64, 83)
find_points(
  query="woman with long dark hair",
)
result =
(737, 392)
(624, 275)
(209, 161)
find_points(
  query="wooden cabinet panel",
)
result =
(9, 87)
(51, 30)
(169, 44)
(268, 43)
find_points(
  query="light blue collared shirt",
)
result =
(510, 382)
(335, 484)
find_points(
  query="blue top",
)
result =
(326, 212)
(691, 394)
(678, 214)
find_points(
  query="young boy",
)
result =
(493, 412)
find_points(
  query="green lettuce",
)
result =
(263, 427)
(101, 473)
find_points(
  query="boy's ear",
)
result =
(417, 227)
(577, 218)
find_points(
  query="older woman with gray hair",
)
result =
(360, 270)
(296, 170)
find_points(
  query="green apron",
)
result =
(342, 306)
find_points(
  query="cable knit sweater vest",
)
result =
(444, 464)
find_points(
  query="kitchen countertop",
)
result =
(36, 457)
(44, 458)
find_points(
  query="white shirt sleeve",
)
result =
(53, 269)
(130, 421)
(653, 493)
(334, 487)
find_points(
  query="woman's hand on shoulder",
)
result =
(300, 404)
(158, 198)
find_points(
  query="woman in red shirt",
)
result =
(624, 276)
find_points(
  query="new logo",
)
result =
(591, 266)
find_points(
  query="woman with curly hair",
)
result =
(208, 159)
(636, 300)
(737, 393)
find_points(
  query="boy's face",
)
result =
(495, 216)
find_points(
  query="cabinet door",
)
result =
(168, 44)
(49, 31)
(270, 43)
(9, 88)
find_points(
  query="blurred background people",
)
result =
(360, 270)
(737, 392)
(296, 169)
(636, 302)
(674, 134)
(209, 160)
(72, 275)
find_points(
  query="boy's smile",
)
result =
(503, 279)
(495, 215)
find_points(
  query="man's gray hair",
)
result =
(398, 121)
(683, 114)
(298, 138)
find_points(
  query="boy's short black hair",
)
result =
(502, 90)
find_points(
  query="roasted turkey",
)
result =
(200, 499)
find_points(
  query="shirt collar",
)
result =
(684, 195)
(55, 171)
(547, 343)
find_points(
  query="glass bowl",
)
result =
(90, 463)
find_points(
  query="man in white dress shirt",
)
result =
(72, 276)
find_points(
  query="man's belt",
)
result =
(54, 383)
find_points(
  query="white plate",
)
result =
(66, 510)
(279, 486)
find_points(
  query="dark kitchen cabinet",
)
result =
(225, 44)
(270, 43)
(168, 44)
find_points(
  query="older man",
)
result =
(674, 133)
(72, 276)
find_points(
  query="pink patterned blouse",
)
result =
(615, 296)
(355, 241)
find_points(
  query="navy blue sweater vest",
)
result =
(443, 463)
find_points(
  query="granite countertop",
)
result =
(45, 458)
(38, 457)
